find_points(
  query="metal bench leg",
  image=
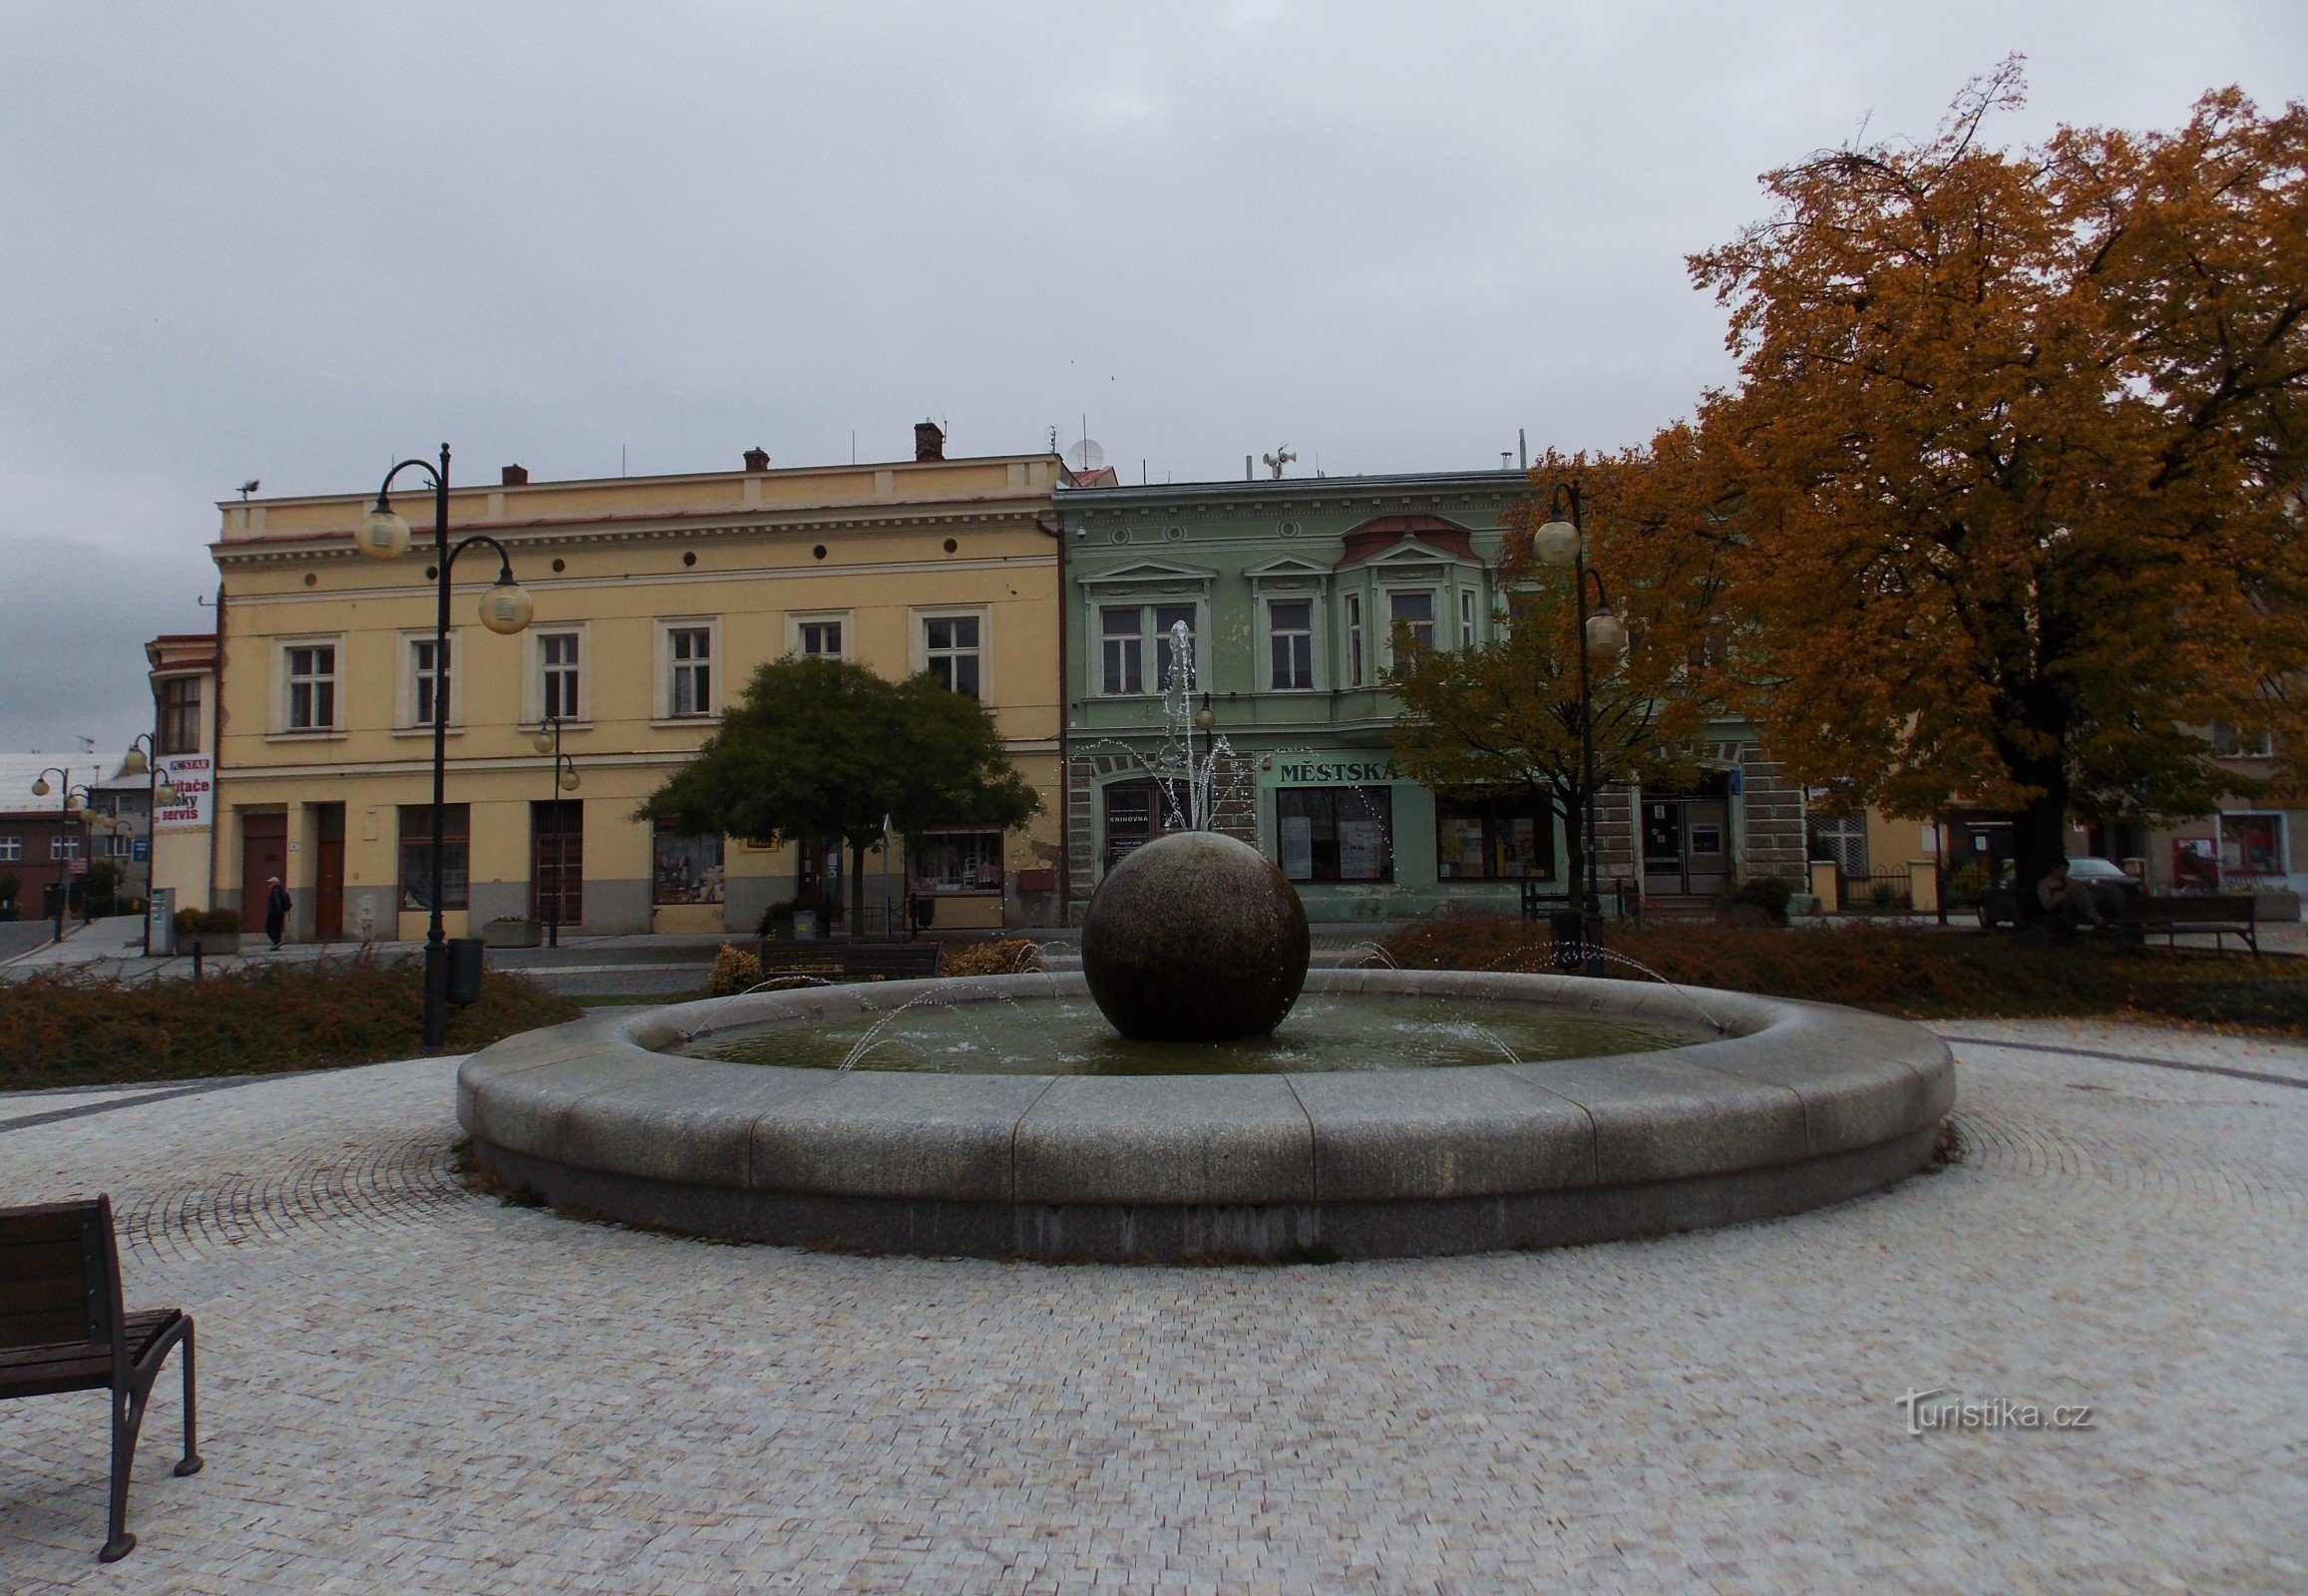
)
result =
(191, 1462)
(128, 1416)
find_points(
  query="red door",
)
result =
(263, 855)
(328, 873)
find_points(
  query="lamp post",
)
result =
(143, 758)
(564, 779)
(1559, 543)
(505, 610)
(66, 811)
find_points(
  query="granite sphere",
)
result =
(1195, 936)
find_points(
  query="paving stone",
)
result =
(409, 1388)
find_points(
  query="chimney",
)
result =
(515, 477)
(757, 459)
(928, 441)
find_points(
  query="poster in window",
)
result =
(1297, 840)
(1361, 850)
(1462, 852)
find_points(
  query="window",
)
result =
(311, 686)
(1841, 839)
(1353, 639)
(949, 651)
(1289, 625)
(1415, 610)
(1121, 650)
(417, 855)
(1135, 812)
(118, 845)
(2251, 844)
(957, 861)
(180, 717)
(687, 868)
(818, 639)
(65, 845)
(559, 664)
(431, 680)
(2228, 742)
(1467, 618)
(11, 850)
(689, 649)
(1506, 839)
(1336, 833)
(1168, 658)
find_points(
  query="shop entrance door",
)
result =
(556, 872)
(1687, 840)
(1133, 818)
(263, 855)
(820, 882)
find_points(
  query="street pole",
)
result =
(1591, 907)
(62, 775)
(505, 610)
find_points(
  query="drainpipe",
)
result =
(216, 752)
(1065, 755)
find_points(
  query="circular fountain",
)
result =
(1392, 1114)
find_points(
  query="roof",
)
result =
(19, 771)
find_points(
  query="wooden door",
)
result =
(557, 872)
(329, 873)
(263, 855)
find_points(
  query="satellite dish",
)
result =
(1086, 455)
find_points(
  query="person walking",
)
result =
(276, 906)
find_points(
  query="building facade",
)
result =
(656, 598)
(1289, 592)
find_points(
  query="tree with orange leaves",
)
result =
(2018, 449)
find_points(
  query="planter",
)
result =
(512, 933)
(210, 944)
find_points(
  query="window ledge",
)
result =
(533, 728)
(427, 731)
(330, 735)
(679, 723)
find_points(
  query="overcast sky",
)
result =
(291, 242)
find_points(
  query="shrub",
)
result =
(1768, 893)
(734, 971)
(776, 920)
(61, 1029)
(189, 921)
(224, 922)
(1012, 957)
(1912, 972)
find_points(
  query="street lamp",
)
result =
(505, 610)
(66, 809)
(1603, 635)
(564, 779)
(143, 759)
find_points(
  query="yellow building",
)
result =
(655, 598)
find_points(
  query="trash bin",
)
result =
(1567, 930)
(465, 958)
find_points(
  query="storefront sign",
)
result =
(1326, 773)
(192, 777)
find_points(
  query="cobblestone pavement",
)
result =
(408, 1388)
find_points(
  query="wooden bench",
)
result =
(62, 1329)
(2217, 916)
(852, 961)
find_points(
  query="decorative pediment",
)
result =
(1290, 570)
(1382, 537)
(1150, 573)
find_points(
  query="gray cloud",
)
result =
(290, 241)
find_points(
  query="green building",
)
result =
(1289, 591)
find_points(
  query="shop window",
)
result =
(957, 861)
(687, 868)
(417, 855)
(179, 715)
(1501, 839)
(950, 650)
(1291, 643)
(1336, 833)
(2251, 844)
(1134, 818)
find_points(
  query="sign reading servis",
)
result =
(1326, 773)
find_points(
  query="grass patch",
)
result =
(60, 1029)
(1911, 974)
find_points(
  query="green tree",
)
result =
(1502, 720)
(824, 748)
(2018, 446)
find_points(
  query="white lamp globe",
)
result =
(165, 795)
(1556, 543)
(40, 788)
(382, 535)
(507, 606)
(134, 764)
(1606, 635)
(568, 781)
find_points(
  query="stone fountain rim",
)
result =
(1803, 1103)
